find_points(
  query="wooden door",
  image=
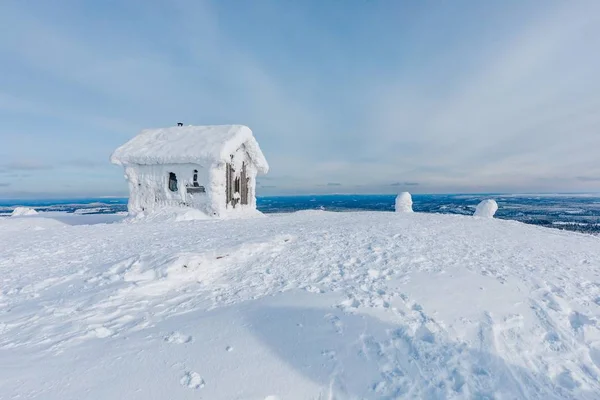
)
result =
(229, 185)
(236, 186)
(244, 185)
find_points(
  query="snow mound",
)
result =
(404, 202)
(23, 211)
(486, 209)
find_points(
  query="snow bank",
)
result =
(486, 209)
(31, 223)
(84, 219)
(179, 214)
(168, 214)
(23, 211)
(404, 202)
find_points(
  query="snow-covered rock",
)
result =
(404, 202)
(357, 305)
(23, 211)
(486, 209)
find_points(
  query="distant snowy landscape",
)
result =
(303, 305)
(580, 213)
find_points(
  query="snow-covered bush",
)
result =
(23, 211)
(486, 209)
(404, 202)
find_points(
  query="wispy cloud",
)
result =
(24, 165)
(589, 178)
(405, 184)
(83, 163)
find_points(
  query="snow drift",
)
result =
(486, 209)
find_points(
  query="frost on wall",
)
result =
(486, 209)
(404, 202)
(149, 187)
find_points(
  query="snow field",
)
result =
(305, 305)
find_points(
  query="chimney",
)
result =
(180, 124)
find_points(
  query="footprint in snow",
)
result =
(578, 320)
(551, 337)
(177, 338)
(329, 354)
(566, 380)
(424, 334)
(595, 356)
(103, 332)
(336, 322)
(192, 380)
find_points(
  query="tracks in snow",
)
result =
(469, 309)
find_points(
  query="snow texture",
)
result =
(201, 145)
(310, 305)
(486, 209)
(23, 211)
(404, 203)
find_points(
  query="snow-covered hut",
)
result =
(209, 168)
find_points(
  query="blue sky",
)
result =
(357, 96)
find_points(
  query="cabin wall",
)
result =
(149, 187)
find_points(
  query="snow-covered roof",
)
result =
(204, 145)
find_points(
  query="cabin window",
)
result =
(172, 182)
(195, 187)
